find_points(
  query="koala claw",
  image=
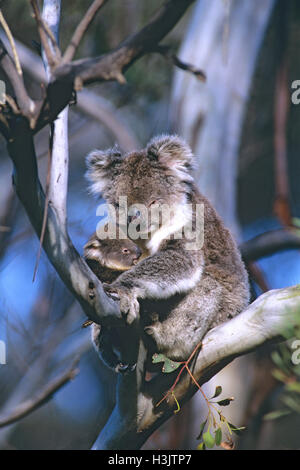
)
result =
(149, 330)
(125, 368)
(129, 307)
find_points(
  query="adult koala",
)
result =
(193, 286)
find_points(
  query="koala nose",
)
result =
(138, 253)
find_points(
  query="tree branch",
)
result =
(88, 102)
(265, 320)
(73, 270)
(26, 105)
(42, 397)
(53, 55)
(81, 29)
(269, 243)
(110, 66)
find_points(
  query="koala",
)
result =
(108, 258)
(193, 286)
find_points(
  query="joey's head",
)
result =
(154, 183)
(114, 254)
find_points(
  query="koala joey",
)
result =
(108, 258)
(194, 287)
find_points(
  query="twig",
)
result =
(81, 29)
(166, 51)
(89, 102)
(30, 405)
(110, 66)
(45, 32)
(12, 104)
(26, 105)
(12, 43)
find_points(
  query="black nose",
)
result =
(138, 252)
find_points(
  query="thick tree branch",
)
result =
(265, 320)
(269, 243)
(70, 266)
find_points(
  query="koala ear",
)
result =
(173, 153)
(102, 168)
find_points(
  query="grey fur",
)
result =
(210, 285)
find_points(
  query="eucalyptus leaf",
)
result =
(225, 401)
(202, 426)
(276, 414)
(158, 358)
(208, 440)
(236, 430)
(218, 392)
(170, 366)
(218, 436)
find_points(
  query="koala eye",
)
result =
(125, 251)
(116, 205)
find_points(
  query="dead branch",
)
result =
(41, 398)
(81, 29)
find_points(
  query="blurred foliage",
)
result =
(287, 371)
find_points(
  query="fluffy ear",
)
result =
(102, 168)
(172, 153)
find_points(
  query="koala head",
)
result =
(158, 175)
(115, 254)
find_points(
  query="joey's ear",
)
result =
(102, 168)
(172, 153)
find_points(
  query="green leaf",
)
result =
(293, 387)
(170, 366)
(296, 221)
(208, 440)
(201, 446)
(158, 358)
(235, 429)
(225, 401)
(202, 426)
(279, 375)
(291, 402)
(276, 414)
(218, 436)
(218, 392)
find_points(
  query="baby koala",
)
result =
(108, 258)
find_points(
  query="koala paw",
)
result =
(154, 331)
(129, 304)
